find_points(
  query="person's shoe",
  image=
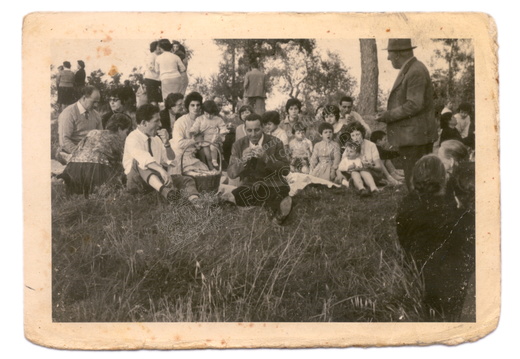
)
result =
(283, 211)
(345, 183)
(214, 163)
(196, 202)
(173, 195)
(363, 192)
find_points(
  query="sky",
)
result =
(124, 55)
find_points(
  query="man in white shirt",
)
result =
(146, 155)
(347, 116)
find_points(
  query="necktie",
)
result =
(86, 115)
(150, 146)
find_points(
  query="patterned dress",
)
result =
(96, 160)
(325, 158)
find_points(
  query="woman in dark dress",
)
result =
(98, 157)
(79, 79)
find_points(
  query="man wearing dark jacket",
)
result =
(410, 119)
(259, 160)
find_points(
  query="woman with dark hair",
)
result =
(118, 103)
(65, 84)
(79, 79)
(152, 81)
(97, 158)
(182, 139)
(169, 67)
(449, 128)
(243, 112)
(331, 115)
(179, 50)
(173, 109)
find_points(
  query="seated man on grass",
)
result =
(148, 154)
(259, 160)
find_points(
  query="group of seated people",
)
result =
(161, 150)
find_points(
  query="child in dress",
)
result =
(326, 154)
(300, 149)
(209, 127)
(351, 168)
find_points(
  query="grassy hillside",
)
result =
(118, 257)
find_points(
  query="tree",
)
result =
(454, 77)
(368, 95)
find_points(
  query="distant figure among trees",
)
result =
(255, 88)
(152, 81)
(65, 84)
(79, 79)
(169, 67)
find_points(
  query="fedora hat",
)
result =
(399, 45)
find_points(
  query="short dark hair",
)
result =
(271, 116)
(298, 126)
(165, 44)
(429, 175)
(116, 92)
(153, 46)
(325, 126)
(292, 102)
(66, 64)
(346, 98)
(118, 121)
(81, 63)
(172, 99)
(466, 107)
(331, 109)
(89, 90)
(352, 144)
(192, 96)
(145, 113)
(445, 119)
(253, 117)
(243, 109)
(377, 136)
(210, 107)
(356, 126)
(455, 149)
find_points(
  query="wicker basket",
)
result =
(209, 183)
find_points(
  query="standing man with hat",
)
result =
(410, 119)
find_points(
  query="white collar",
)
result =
(81, 108)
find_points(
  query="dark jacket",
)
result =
(410, 115)
(270, 169)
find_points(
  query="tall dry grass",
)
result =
(118, 257)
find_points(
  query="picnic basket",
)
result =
(209, 182)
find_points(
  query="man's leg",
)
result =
(186, 184)
(142, 181)
(411, 154)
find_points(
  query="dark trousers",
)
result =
(410, 155)
(260, 194)
(137, 181)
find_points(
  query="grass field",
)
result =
(118, 257)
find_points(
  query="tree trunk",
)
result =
(367, 102)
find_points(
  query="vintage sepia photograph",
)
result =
(261, 177)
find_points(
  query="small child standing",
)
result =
(351, 167)
(209, 127)
(325, 155)
(300, 149)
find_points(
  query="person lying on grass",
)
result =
(352, 169)
(146, 157)
(259, 160)
(393, 176)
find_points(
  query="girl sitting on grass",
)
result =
(211, 126)
(326, 154)
(352, 169)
